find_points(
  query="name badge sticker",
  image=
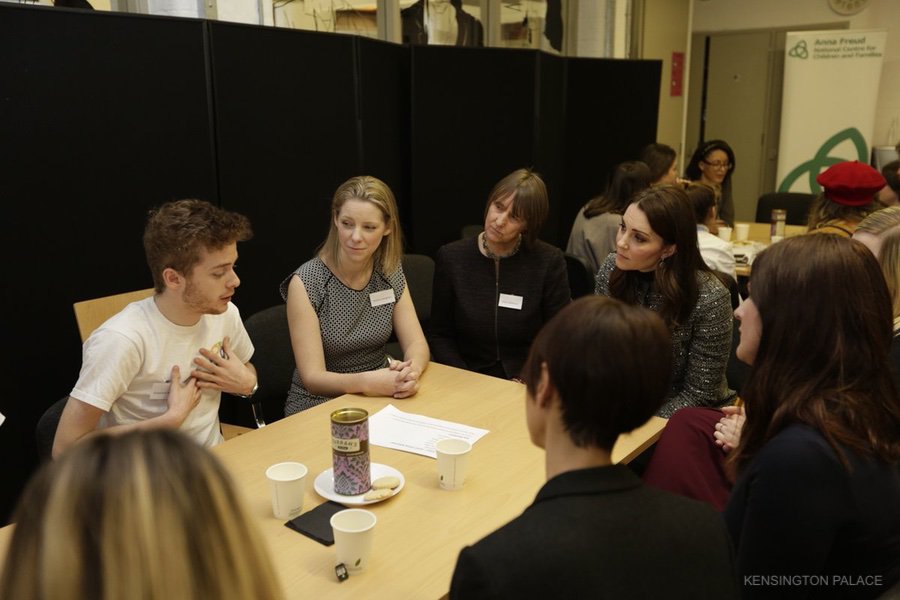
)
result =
(382, 297)
(510, 301)
(160, 391)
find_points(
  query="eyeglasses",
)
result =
(718, 165)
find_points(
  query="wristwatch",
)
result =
(253, 391)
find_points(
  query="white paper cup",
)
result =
(288, 483)
(353, 532)
(725, 233)
(741, 231)
(452, 462)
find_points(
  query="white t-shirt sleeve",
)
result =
(109, 363)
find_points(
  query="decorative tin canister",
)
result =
(350, 451)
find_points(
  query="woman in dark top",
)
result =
(819, 485)
(596, 370)
(657, 264)
(492, 293)
(713, 164)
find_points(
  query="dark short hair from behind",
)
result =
(659, 158)
(530, 204)
(702, 198)
(177, 231)
(610, 363)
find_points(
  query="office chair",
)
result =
(796, 204)
(89, 315)
(273, 358)
(581, 279)
(419, 272)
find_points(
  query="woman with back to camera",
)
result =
(147, 514)
(343, 305)
(716, 252)
(494, 292)
(713, 164)
(662, 162)
(598, 369)
(657, 264)
(819, 483)
(849, 193)
(593, 234)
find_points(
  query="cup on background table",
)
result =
(452, 462)
(288, 483)
(741, 231)
(725, 233)
(353, 532)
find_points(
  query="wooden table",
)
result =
(421, 530)
(761, 232)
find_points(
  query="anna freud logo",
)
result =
(799, 50)
(814, 580)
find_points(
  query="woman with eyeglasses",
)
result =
(713, 164)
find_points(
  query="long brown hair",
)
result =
(671, 217)
(823, 352)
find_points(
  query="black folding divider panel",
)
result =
(101, 117)
(383, 70)
(472, 123)
(611, 113)
(286, 137)
(550, 141)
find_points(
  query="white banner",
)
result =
(828, 107)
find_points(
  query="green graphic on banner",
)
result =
(821, 160)
(799, 50)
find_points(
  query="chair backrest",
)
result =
(419, 271)
(90, 314)
(581, 279)
(731, 285)
(273, 358)
(796, 204)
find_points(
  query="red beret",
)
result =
(851, 183)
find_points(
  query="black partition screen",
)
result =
(383, 93)
(472, 123)
(286, 137)
(101, 117)
(611, 108)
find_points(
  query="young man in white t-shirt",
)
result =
(163, 362)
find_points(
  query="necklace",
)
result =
(489, 254)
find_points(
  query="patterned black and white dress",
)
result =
(354, 333)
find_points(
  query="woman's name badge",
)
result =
(382, 297)
(510, 301)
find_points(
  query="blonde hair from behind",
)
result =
(885, 225)
(368, 189)
(148, 515)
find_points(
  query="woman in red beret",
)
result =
(848, 195)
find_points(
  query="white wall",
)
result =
(732, 15)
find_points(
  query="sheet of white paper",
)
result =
(395, 429)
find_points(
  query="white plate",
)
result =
(324, 485)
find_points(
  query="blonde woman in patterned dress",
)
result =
(343, 305)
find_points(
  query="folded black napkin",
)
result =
(316, 523)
